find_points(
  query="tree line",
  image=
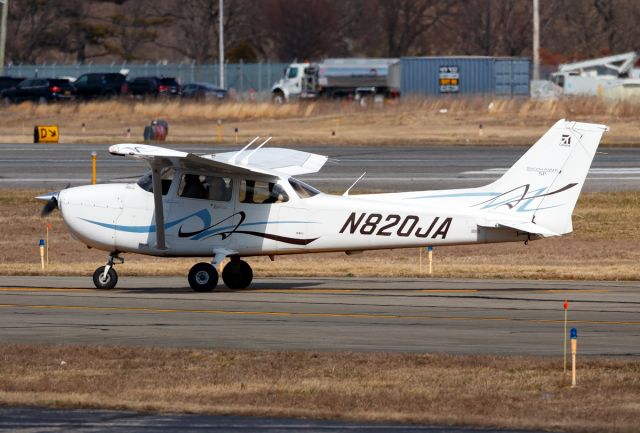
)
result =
(283, 30)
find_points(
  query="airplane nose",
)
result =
(91, 213)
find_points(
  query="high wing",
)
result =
(271, 162)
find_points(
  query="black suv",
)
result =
(7, 82)
(169, 86)
(140, 87)
(99, 85)
(143, 86)
(40, 90)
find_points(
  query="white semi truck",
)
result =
(360, 79)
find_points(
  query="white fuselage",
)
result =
(120, 218)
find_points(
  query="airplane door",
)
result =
(200, 214)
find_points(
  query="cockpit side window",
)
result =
(146, 180)
(258, 192)
(193, 186)
(205, 187)
(302, 189)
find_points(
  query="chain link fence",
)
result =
(243, 78)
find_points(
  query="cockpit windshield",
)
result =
(302, 189)
(146, 180)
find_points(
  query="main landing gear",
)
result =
(237, 275)
(106, 277)
(203, 277)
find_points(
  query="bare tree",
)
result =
(134, 26)
(303, 30)
(405, 21)
(33, 31)
(195, 28)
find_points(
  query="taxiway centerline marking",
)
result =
(299, 314)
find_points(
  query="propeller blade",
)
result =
(52, 202)
(49, 207)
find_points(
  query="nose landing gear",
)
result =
(106, 277)
(203, 277)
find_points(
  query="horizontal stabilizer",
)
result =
(522, 226)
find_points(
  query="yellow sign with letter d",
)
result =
(46, 134)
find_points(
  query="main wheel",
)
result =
(237, 274)
(203, 277)
(105, 282)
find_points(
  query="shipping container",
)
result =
(464, 75)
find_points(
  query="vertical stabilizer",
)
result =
(543, 186)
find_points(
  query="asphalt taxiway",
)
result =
(367, 314)
(387, 168)
(30, 420)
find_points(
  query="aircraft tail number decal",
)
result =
(376, 224)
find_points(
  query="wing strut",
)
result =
(159, 209)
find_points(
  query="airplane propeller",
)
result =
(50, 205)
(51, 201)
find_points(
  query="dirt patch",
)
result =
(484, 391)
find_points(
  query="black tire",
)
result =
(237, 274)
(109, 282)
(203, 277)
(278, 98)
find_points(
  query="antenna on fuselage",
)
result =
(234, 157)
(346, 193)
(245, 160)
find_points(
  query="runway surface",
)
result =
(387, 168)
(416, 315)
(31, 420)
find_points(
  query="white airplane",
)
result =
(247, 203)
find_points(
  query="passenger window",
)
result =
(293, 73)
(255, 191)
(302, 189)
(221, 188)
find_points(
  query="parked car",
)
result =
(169, 86)
(141, 87)
(40, 90)
(7, 82)
(203, 91)
(99, 85)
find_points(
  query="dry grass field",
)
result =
(605, 245)
(482, 391)
(407, 122)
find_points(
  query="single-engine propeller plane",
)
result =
(247, 203)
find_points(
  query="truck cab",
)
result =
(290, 85)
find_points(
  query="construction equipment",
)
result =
(593, 77)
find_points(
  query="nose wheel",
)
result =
(203, 277)
(106, 277)
(237, 274)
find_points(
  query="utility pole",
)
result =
(3, 34)
(221, 42)
(536, 40)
